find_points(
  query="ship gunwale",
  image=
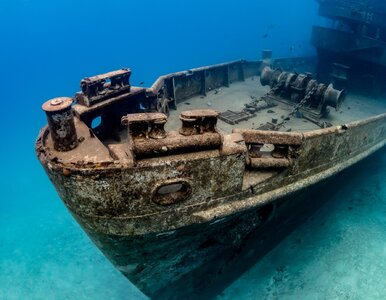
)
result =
(210, 209)
(41, 149)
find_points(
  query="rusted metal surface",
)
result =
(194, 163)
(268, 163)
(280, 154)
(193, 259)
(85, 192)
(99, 87)
(268, 127)
(147, 136)
(123, 222)
(234, 117)
(150, 125)
(270, 137)
(176, 143)
(61, 123)
(172, 193)
(198, 122)
(341, 142)
(296, 87)
(83, 110)
(122, 154)
(333, 97)
(117, 192)
(170, 203)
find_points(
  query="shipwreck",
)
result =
(182, 181)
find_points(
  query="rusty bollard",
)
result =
(61, 123)
(198, 121)
(146, 125)
(157, 130)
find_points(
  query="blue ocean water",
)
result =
(48, 46)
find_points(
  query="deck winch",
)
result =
(297, 88)
(100, 87)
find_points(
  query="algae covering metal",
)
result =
(173, 210)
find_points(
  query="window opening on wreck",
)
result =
(171, 188)
(96, 122)
(172, 193)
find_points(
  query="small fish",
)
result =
(265, 36)
(141, 83)
(291, 48)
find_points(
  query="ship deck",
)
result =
(114, 147)
(355, 107)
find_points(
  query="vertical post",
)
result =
(61, 123)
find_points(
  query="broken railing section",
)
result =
(101, 87)
(148, 138)
(313, 98)
(269, 149)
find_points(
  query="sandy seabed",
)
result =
(338, 253)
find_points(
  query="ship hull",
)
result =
(198, 262)
(182, 213)
(221, 237)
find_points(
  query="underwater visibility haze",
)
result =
(48, 46)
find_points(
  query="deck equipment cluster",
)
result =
(311, 97)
